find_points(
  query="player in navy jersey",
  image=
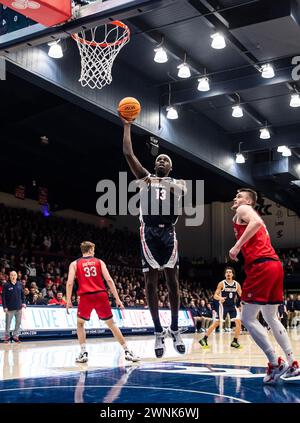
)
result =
(226, 297)
(159, 198)
(91, 273)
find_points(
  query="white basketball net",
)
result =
(97, 57)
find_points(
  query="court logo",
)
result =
(25, 4)
(152, 197)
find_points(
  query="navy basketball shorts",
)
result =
(222, 312)
(158, 247)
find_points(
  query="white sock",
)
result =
(125, 347)
(269, 312)
(83, 348)
(257, 331)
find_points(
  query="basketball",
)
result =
(129, 108)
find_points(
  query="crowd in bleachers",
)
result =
(290, 259)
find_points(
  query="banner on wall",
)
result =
(20, 192)
(54, 321)
(43, 196)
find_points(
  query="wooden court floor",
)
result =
(45, 371)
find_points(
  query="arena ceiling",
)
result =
(256, 32)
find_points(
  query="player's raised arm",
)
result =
(137, 169)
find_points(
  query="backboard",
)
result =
(17, 31)
(15, 27)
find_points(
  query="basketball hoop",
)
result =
(97, 57)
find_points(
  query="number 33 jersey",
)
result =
(89, 275)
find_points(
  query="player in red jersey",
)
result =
(91, 273)
(263, 287)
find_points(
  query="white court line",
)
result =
(129, 387)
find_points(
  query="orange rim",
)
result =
(116, 43)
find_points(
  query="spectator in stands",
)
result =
(74, 301)
(290, 311)
(205, 314)
(13, 301)
(58, 300)
(297, 310)
(26, 294)
(47, 243)
(195, 314)
(127, 301)
(282, 315)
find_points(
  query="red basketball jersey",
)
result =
(258, 246)
(89, 275)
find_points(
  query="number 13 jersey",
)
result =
(89, 276)
(159, 205)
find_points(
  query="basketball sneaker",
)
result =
(82, 358)
(292, 371)
(6, 340)
(203, 342)
(130, 356)
(16, 339)
(274, 372)
(177, 340)
(160, 346)
(235, 344)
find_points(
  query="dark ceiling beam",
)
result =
(155, 37)
(191, 95)
(249, 110)
(88, 17)
(284, 135)
(216, 22)
(257, 12)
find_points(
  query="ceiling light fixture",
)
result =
(218, 41)
(203, 83)
(237, 111)
(184, 69)
(267, 71)
(171, 111)
(160, 53)
(286, 152)
(295, 100)
(55, 50)
(265, 134)
(239, 157)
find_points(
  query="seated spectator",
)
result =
(195, 314)
(297, 310)
(74, 301)
(26, 295)
(127, 301)
(205, 314)
(282, 315)
(290, 311)
(58, 300)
